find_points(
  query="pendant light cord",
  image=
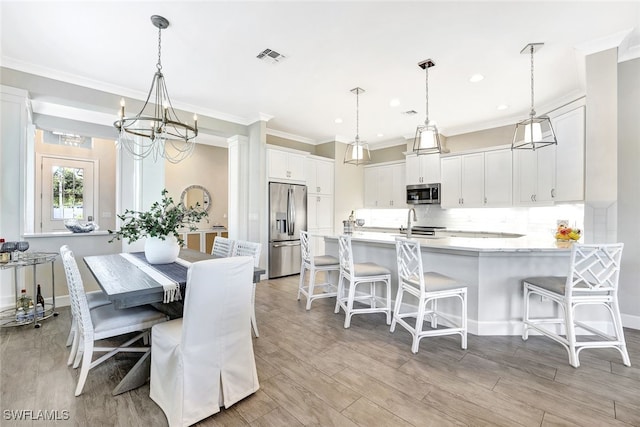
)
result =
(533, 111)
(357, 116)
(426, 71)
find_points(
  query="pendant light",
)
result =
(358, 151)
(157, 125)
(534, 132)
(427, 139)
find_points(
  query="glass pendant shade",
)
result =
(427, 140)
(357, 152)
(156, 130)
(534, 132)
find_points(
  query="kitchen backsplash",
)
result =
(521, 220)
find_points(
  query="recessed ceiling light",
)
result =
(476, 78)
(338, 120)
(394, 102)
(502, 107)
(380, 135)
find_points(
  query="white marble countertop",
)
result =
(475, 244)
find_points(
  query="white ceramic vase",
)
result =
(158, 251)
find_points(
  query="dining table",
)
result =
(129, 281)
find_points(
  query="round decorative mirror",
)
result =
(196, 194)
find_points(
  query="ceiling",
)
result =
(209, 58)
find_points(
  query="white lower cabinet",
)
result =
(319, 211)
(384, 186)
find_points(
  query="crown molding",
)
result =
(113, 89)
(291, 136)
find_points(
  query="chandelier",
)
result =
(427, 139)
(157, 127)
(357, 151)
(534, 132)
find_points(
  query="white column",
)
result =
(238, 185)
(13, 141)
(139, 183)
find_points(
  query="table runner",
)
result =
(172, 276)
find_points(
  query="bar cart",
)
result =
(10, 316)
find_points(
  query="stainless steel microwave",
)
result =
(422, 194)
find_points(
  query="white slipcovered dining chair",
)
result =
(592, 280)
(425, 288)
(205, 359)
(102, 322)
(252, 249)
(315, 264)
(353, 275)
(94, 299)
(222, 247)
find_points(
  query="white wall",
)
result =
(629, 189)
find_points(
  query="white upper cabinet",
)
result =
(535, 176)
(498, 178)
(384, 186)
(476, 180)
(554, 173)
(319, 176)
(462, 181)
(286, 165)
(423, 169)
(570, 132)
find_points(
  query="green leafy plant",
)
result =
(162, 219)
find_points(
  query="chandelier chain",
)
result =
(159, 64)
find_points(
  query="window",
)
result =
(67, 190)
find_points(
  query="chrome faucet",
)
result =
(409, 221)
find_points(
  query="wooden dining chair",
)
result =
(205, 359)
(252, 249)
(103, 322)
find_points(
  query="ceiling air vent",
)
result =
(270, 55)
(409, 112)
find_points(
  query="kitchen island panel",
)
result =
(493, 274)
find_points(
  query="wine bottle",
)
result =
(39, 299)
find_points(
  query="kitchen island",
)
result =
(492, 268)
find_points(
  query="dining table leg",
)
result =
(137, 375)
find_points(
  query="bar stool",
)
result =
(354, 274)
(593, 280)
(428, 288)
(315, 264)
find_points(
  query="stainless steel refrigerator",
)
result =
(287, 216)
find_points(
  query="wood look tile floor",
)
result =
(312, 371)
